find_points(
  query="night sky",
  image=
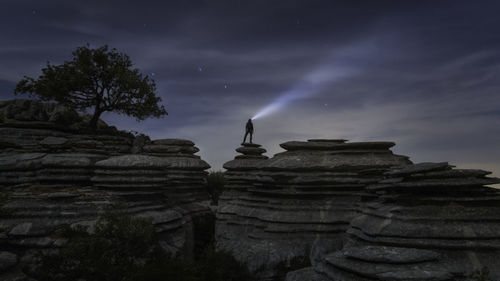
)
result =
(425, 74)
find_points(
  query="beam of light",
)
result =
(334, 69)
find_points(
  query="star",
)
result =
(153, 74)
(200, 68)
(34, 12)
(225, 86)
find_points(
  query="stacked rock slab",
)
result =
(164, 182)
(47, 175)
(185, 174)
(431, 222)
(241, 174)
(167, 166)
(46, 167)
(300, 202)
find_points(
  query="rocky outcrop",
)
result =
(165, 188)
(280, 211)
(181, 178)
(241, 173)
(32, 126)
(430, 222)
(55, 173)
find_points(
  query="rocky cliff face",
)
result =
(280, 211)
(429, 222)
(54, 173)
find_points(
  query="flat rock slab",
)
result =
(247, 144)
(384, 254)
(420, 168)
(455, 173)
(328, 140)
(170, 149)
(132, 161)
(245, 162)
(53, 141)
(303, 145)
(304, 274)
(71, 159)
(391, 272)
(434, 184)
(173, 142)
(251, 150)
(20, 161)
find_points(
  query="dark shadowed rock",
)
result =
(7, 260)
(54, 173)
(307, 273)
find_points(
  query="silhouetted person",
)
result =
(248, 130)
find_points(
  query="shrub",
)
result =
(124, 248)
(119, 246)
(482, 274)
(215, 184)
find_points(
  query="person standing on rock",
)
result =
(248, 130)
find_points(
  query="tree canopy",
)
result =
(101, 79)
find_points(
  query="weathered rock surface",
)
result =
(181, 176)
(53, 175)
(430, 222)
(299, 203)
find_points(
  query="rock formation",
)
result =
(277, 212)
(53, 173)
(430, 222)
(173, 170)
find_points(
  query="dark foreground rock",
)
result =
(54, 173)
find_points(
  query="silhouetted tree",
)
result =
(102, 79)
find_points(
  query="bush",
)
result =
(215, 185)
(124, 248)
(119, 246)
(482, 274)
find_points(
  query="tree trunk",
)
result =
(95, 117)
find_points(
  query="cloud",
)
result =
(424, 74)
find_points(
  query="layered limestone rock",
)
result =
(32, 126)
(185, 175)
(241, 172)
(169, 168)
(61, 169)
(31, 215)
(52, 174)
(46, 143)
(430, 222)
(298, 203)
